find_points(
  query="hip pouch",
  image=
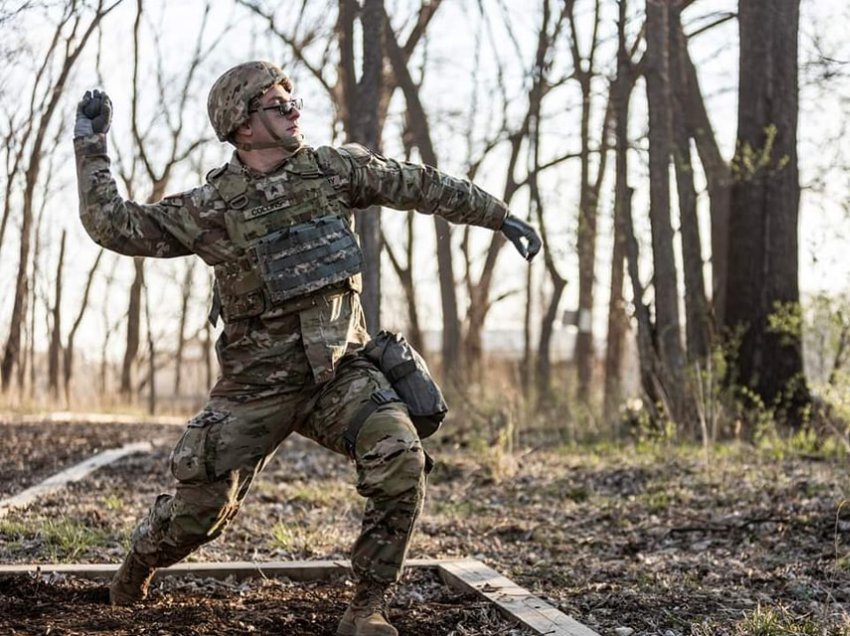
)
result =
(409, 376)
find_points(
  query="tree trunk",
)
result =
(56, 332)
(586, 249)
(421, 133)
(623, 211)
(526, 368)
(405, 277)
(347, 83)
(584, 72)
(68, 363)
(151, 354)
(134, 321)
(544, 357)
(716, 171)
(13, 343)
(617, 321)
(29, 350)
(763, 247)
(367, 131)
(185, 295)
(697, 323)
(665, 277)
(71, 47)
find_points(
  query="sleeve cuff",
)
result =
(498, 215)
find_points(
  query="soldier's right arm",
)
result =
(158, 229)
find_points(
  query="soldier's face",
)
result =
(284, 125)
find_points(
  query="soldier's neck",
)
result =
(264, 161)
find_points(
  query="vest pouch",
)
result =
(304, 258)
(241, 290)
(410, 378)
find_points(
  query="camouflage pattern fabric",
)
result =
(286, 367)
(226, 445)
(200, 222)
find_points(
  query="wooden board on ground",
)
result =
(74, 473)
(91, 418)
(465, 575)
(514, 601)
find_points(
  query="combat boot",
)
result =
(367, 614)
(131, 581)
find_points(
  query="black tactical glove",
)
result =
(516, 230)
(94, 114)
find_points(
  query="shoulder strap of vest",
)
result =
(303, 164)
(332, 177)
(230, 186)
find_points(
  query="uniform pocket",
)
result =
(193, 458)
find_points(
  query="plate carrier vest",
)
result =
(294, 239)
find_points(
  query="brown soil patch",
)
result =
(33, 452)
(68, 606)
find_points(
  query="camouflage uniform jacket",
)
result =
(277, 346)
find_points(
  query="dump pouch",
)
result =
(407, 372)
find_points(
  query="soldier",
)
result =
(275, 223)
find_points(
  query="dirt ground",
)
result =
(422, 606)
(32, 452)
(658, 541)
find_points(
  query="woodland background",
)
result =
(685, 162)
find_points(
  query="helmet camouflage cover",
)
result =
(230, 97)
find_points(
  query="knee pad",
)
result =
(192, 457)
(389, 454)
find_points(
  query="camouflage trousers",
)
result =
(228, 443)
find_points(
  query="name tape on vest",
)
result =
(254, 213)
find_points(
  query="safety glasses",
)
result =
(283, 108)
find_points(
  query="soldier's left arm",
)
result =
(376, 180)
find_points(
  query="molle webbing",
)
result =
(305, 258)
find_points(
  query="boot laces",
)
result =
(370, 599)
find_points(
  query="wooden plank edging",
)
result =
(91, 418)
(464, 575)
(295, 570)
(514, 601)
(74, 473)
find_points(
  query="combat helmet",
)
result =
(229, 101)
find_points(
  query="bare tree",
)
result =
(185, 296)
(559, 282)
(584, 72)
(541, 84)
(367, 130)
(697, 319)
(716, 167)
(55, 348)
(172, 93)
(68, 360)
(69, 38)
(665, 279)
(650, 367)
(134, 322)
(404, 271)
(617, 324)
(151, 379)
